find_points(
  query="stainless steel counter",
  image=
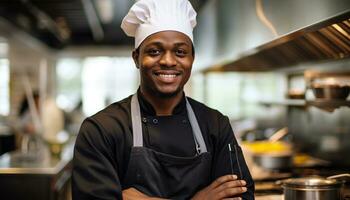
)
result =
(40, 162)
(37, 176)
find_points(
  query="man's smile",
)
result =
(167, 76)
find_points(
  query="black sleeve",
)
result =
(222, 160)
(94, 167)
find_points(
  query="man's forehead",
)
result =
(167, 37)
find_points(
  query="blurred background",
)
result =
(277, 68)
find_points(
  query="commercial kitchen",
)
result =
(280, 71)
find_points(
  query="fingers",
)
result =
(221, 180)
(226, 187)
(229, 192)
(234, 198)
(232, 184)
(235, 183)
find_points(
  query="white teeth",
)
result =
(167, 75)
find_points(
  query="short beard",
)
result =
(162, 95)
(167, 95)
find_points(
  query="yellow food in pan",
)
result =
(267, 146)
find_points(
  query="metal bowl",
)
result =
(274, 161)
(331, 91)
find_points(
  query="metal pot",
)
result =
(274, 161)
(313, 188)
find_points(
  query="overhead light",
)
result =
(105, 10)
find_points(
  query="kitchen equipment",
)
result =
(57, 142)
(331, 91)
(295, 94)
(278, 135)
(313, 188)
(336, 86)
(274, 161)
(271, 155)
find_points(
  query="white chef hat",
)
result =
(147, 17)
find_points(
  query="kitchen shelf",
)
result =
(285, 102)
(328, 104)
(323, 41)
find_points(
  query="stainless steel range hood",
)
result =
(325, 40)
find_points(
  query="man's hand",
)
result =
(224, 187)
(134, 194)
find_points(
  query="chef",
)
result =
(158, 143)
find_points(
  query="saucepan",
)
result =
(274, 161)
(314, 188)
(272, 154)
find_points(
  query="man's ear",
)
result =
(135, 57)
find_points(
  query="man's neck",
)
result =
(163, 106)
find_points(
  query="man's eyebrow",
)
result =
(158, 44)
(181, 44)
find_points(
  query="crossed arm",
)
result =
(224, 187)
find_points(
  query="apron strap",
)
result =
(196, 130)
(136, 121)
(137, 126)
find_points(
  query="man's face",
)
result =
(165, 60)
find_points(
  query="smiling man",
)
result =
(165, 61)
(158, 143)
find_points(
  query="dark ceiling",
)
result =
(61, 23)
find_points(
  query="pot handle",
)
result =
(340, 177)
(280, 182)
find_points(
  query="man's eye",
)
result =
(153, 52)
(181, 52)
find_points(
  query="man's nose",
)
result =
(168, 59)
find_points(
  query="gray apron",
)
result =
(162, 175)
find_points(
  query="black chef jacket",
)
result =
(103, 145)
